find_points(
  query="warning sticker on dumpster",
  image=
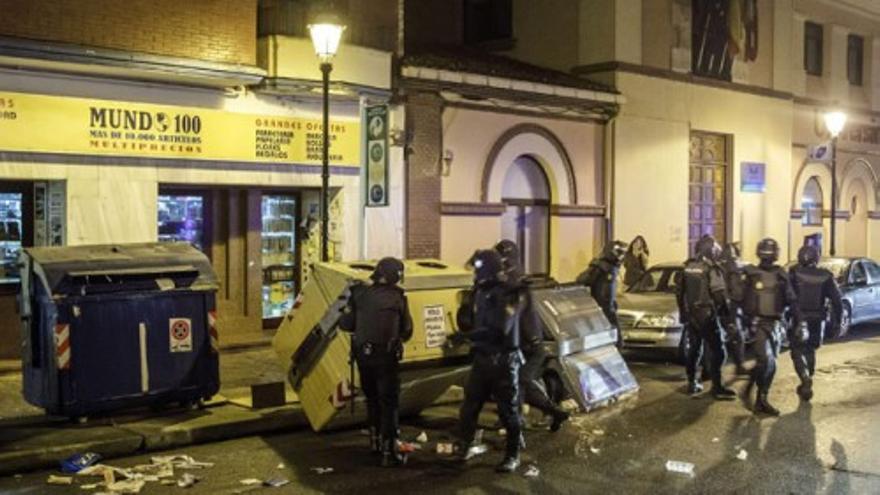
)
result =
(180, 334)
(435, 326)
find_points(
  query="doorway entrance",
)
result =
(526, 220)
(707, 188)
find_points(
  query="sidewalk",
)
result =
(30, 440)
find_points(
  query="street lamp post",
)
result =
(325, 33)
(834, 122)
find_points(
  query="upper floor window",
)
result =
(813, 42)
(855, 51)
(488, 20)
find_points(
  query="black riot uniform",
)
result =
(532, 390)
(702, 298)
(733, 323)
(767, 295)
(495, 342)
(601, 277)
(378, 314)
(816, 289)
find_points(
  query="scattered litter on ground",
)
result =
(90, 486)
(742, 455)
(250, 482)
(502, 432)
(680, 467)
(716, 440)
(280, 466)
(532, 471)
(322, 470)
(598, 432)
(422, 438)
(445, 448)
(276, 482)
(181, 461)
(594, 450)
(59, 480)
(187, 480)
(132, 486)
(168, 482)
(408, 447)
(77, 462)
(365, 432)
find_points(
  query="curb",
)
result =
(52, 443)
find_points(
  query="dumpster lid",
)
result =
(54, 264)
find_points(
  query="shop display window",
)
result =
(11, 235)
(279, 253)
(182, 219)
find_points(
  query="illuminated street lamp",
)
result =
(326, 32)
(834, 122)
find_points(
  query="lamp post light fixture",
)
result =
(834, 122)
(326, 33)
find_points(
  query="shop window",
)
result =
(182, 218)
(279, 253)
(488, 21)
(811, 203)
(813, 41)
(855, 57)
(11, 232)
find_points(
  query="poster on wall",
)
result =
(753, 177)
(377, 155)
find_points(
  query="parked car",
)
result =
(648, 312)
(859, 281)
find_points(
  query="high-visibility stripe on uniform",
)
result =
(212, 331)
(62, 346)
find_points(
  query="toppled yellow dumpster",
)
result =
(317, 354)
(583, 362)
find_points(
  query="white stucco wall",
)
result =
(651, 161)
(469, 136)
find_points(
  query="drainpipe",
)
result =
(608, 171)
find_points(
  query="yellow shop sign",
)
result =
(52, 124)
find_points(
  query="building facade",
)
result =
(723, 102)
(142, 121)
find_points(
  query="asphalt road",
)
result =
(829, 446)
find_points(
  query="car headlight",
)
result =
(657, 321)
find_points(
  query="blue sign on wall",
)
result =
(754, 178)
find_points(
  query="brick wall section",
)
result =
(213, 30)
(423, 186)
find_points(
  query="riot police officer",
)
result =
(702, 297)
(815, 287)
(532, 390)
(601, 277)
(378, 314)
(767, 295)
(495, 343)
(733, 323)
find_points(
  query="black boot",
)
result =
(391, 457)
(720, 392)
(805, 390)
(762, 406)
(559, 416)
(509, 464)
(375, 441)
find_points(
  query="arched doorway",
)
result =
(811, 203)
(526, 221)
(856, 229)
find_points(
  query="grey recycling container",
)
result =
(116, 326)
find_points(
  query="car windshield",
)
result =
(656, 280)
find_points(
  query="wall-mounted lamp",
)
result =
(448, 156)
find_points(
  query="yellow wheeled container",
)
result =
(317, 354)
